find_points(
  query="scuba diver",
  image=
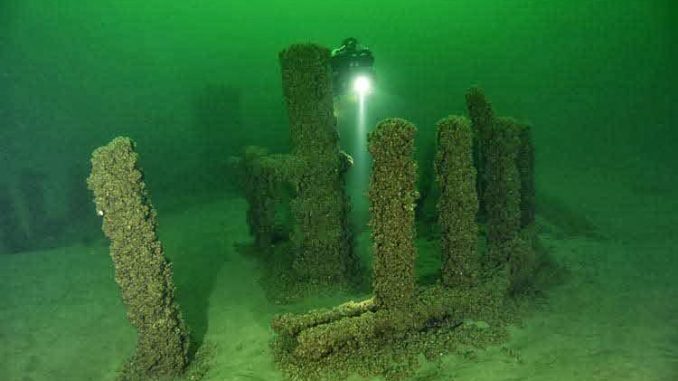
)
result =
(352, 67)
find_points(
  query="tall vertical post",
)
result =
(141, 270)
(458, 202)
(482, 121)
(320, 236)
(261, 187)
(392, 195)
(502, 196)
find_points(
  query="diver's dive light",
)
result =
(352, 68)
(362, 85)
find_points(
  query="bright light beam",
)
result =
(362, 124)
(361, 166)
(362, 85)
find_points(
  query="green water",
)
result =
(194, 82)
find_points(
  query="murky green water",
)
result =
(194, 82)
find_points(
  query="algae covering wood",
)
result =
(482, 122)
(307, 88)
(502, 195)
(320, 236)
(383, 334)
(266, 179)
(392, 195)
(141, 269)
(458, 202)
(292, 324)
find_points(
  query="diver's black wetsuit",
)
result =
(347, 60)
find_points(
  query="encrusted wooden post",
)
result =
(502, 195)
(482, 122)
(320, 236)
(458, 202)
(392, 195)
(141, 270)
(266, 181)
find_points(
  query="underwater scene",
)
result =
(441, 190)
